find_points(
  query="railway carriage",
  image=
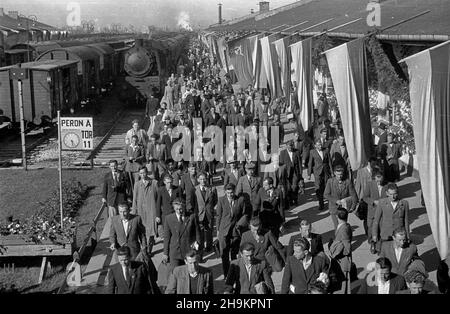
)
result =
(50, 85)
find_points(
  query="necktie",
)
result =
(170, 192)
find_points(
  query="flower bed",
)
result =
(44, 225)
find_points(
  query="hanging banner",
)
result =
(281, 47)
(259, 74)
(429, 89)
(270, 63)
(240, 57)
(301, 53)
(348, 68)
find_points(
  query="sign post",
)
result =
(60, 170)
(74, 134)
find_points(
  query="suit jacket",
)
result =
(293, 167)
(261, 247)
(116, 192)
(370, 195)
(179, 281)
(156, 152)
(387, 219)
(396, 283)
(332, 193)
(231, 178)
(237, 275)
(279, 177)
(176, 177)
(178, 237)
(408, 254)
(139, 158)
(273, 204)
(164, 201)
(134, 237)
(363, 178)
(230, 221)
(295, 274)
(239, 120)
(151, 108)
(315, 247)
(138, 282)
(188, 190)
(341, 247)
(205, 206)
(317, 165)
(248, 188)
(210, 120)
(168, 142)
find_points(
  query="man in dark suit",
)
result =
(190, 278)
(127, 229)
(341, 247)
(302, 269)
(187, 185)
(385, 282)
(319, 164)
(171, 171)
(391, 152)
(232, 221)
(248, 275)
(116, 188)
(206, 200)
(292, 161)
(399, 251)
(248, 186)
(269, 207)
(278, 174)
(315, 240)
(181, 233)
(165, 196)
(373, 192)
(212, 117)
(128, 277)
(232, 174)
(240, 118)
(391, 213)
(340, 193)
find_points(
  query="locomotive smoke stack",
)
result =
(139, 42)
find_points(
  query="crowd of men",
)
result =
(155, 197)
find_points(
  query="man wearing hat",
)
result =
(181, 233)
(232, 174)
(188, 183)
(249, 185)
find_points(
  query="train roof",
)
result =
(103, 47)
(82, 52)
(39, 47)
(15, 51)
(44, 65)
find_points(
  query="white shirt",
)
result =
(383, 287)
(249, 270)
(369, 170)
(125, 226)
(320, 153)
(380, 187)
(290, 154)
(398, 253)
(125, 274)
(394, 204)
(307, 262)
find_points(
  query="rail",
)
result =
(77, 255)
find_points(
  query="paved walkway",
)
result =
(95, 274)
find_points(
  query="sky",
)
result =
(140, 13)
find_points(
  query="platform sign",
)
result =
(77, 133)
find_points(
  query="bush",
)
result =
(45, 223)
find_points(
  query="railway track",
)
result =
(112, 144)
(11, 147)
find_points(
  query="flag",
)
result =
(259, 75)
(429, 89)
(240, 57)
(270, 63)
(281, 47)
(301, 53)
(221, 47)
(348, 68)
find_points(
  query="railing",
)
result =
(77, 255)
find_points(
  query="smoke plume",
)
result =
(184, 21)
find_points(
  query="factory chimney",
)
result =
(220, 13)
(264, 6)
